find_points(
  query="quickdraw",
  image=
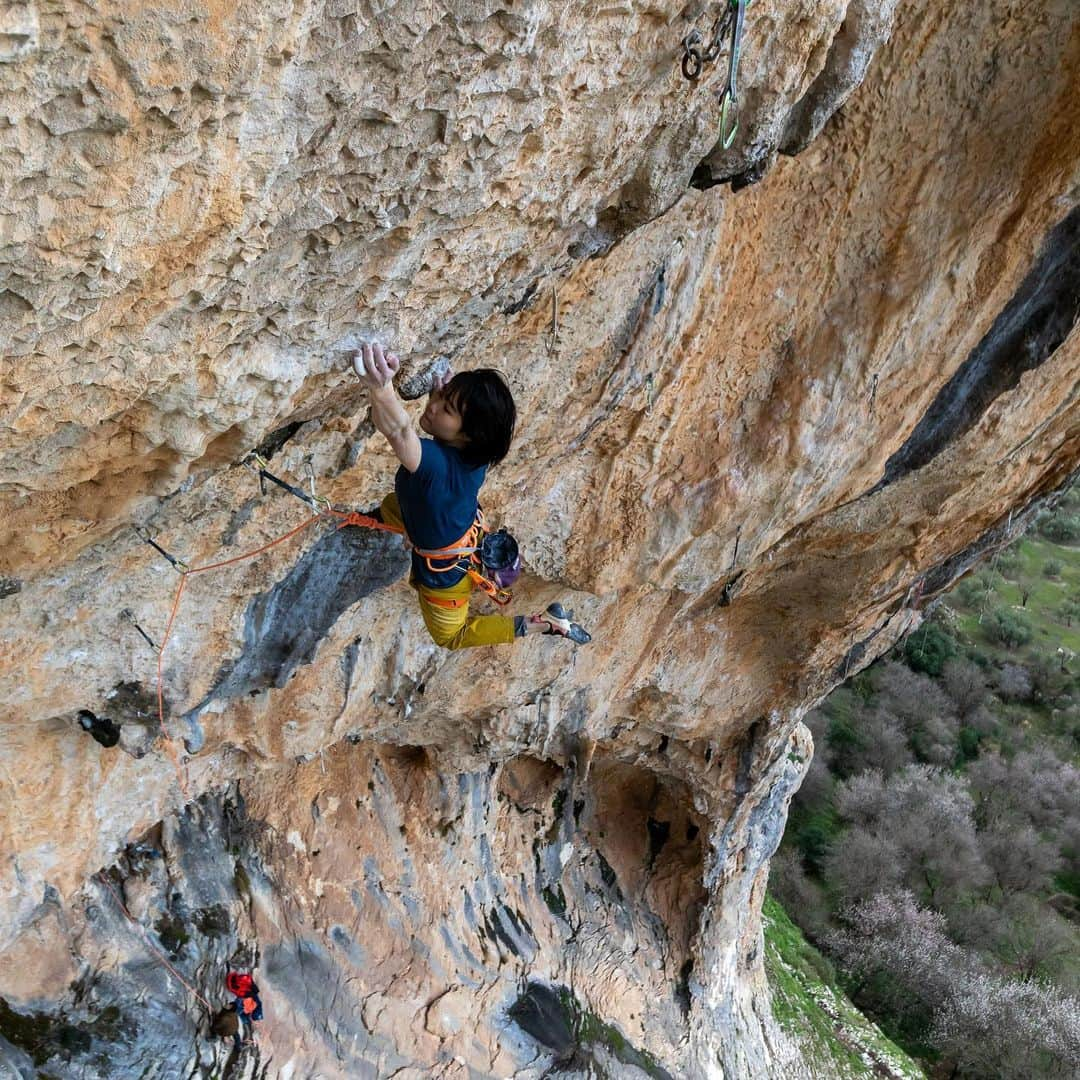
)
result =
(258, 465)
(695, 56)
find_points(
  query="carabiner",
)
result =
(729, 99)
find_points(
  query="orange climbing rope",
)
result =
(343, 517)
(463, 554)
(153, 948)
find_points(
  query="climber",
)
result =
(226, 1025)
(470, 419)
(246, 1005)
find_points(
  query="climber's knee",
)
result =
(444, 638)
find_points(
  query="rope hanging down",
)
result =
(325, 511)
(150, 945)
(342, 517)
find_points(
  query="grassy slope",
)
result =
(1042, 606)
(837, 1041)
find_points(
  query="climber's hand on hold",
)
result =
(375, 367)
(438, 383)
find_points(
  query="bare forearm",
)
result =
(387, 413)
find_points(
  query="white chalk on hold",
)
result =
(423, 372)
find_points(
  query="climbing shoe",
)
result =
(560, 621)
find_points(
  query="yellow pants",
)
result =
(452, 627)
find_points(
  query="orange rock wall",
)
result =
(203, 209)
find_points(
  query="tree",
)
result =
(965, 683)
(921, 819)
(923, 710)
(1020, 860)
(1008, 627)
(1050, 679)
(1008, 562)
(1069, 609)
(988, 1026)
(883, 745)
(1014, 683)
(815, 792)
(1034, 788)
(1034, 942)
(971, 592)
(799, 893)
(1061, 527)
(929, 647)
(862, 862)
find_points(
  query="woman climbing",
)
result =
(470, 419)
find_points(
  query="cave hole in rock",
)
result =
(578, 1038)
(638, 845)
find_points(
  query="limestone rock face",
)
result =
(759, 431)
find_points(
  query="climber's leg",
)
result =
(446, 615)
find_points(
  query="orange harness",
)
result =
(463, 554)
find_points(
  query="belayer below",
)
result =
(246, 1005)
(470, 419)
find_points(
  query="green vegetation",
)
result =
(1017, 582)
(836, 1039)
(43, 1037)
(591, 1031)
(933, 850)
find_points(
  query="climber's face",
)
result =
(442, 420)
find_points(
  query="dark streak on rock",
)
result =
(1025, 334)
(277, 439)
(555, 1018)
(283, 627)
(746, 757)
(525, 301)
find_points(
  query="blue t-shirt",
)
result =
(438, 504)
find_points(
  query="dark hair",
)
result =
(488, 414)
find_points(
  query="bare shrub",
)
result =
(1019, 859)
(965, 683)
(922, 820)
(1014, 683)
(1035, 788)
(799, 893)
(987, 1025)
(881, 744)
(924, 711)
(862, 863)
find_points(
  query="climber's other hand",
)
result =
(438, 383)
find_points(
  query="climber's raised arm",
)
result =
(377, 370)
(469, 422)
